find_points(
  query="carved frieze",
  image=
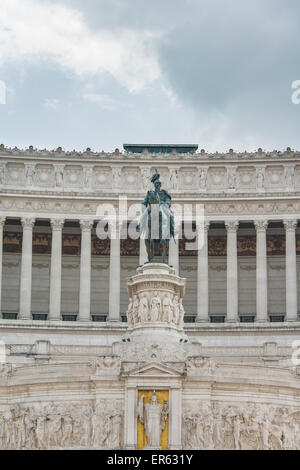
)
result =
(64, 425)
(217, 245)
(240, 426)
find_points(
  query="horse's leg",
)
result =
(163, 245)
(148, 248)
(151, 250)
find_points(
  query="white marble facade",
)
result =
(63, 382)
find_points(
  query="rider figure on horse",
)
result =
(157, 220)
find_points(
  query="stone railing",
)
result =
(68, 172)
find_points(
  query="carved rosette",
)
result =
(155, 299)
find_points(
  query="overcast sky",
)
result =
(100, 73)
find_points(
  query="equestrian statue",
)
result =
(157, 221)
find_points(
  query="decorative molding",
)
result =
(27, 223)
(86, 225)
(232, 225)
(261, 225)
(290, 224)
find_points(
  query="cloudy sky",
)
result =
(100, 73)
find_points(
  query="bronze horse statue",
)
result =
(157, 220)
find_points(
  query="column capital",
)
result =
(204, 226)
(57, 224)
(86, 225)
(261, 225)
(2, 221)
(28, 222)
(290, 225)
(232, 225)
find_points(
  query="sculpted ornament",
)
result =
(106, 365)
(2, 173)
(30, 172)
(201, 366)
(250, 426)
(260, 178)
(59, 175)
(174, 179)
(231, 176)
(289, 175)
(163, 307)
(62, 426)
(202, 178)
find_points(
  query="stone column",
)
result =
(261, 271)
(174, 254)
(85, 270)
(202, 277)
(232, 271)
(175, 437)
(26, 269)
(114, 277)
(56, 266)
(143, 252)
(2, 222)
(291, 270)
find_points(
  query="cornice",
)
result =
(121, 157)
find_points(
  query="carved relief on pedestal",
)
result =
(157, 307)
(155, 296)
(248, 426)
(62, 426)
